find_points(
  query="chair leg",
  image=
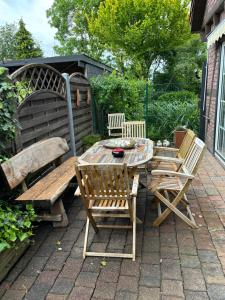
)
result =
(134, 229)
(86, 238)
(171, 206)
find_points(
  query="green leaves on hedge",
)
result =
(115, 93)
(164, 116)
(7, 107)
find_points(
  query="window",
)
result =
(220, 125)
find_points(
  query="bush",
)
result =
(180, 96)
(114, 93)
(90, 140)
(7, 108)
(15, 225)
(164, 116)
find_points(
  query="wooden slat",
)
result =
(32, 159)
(52, 185)
(134, 129)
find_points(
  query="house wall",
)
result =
(211, 95)
(212, 83)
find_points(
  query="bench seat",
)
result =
(50, 187)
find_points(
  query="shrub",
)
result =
(15, 225)
(90, 140)
(7, 108)
(114, 93)
(164, 116)
(180, 96)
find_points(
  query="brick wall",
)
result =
(211, 95)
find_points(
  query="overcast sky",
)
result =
(33, 13)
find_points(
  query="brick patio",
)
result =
(173, 261)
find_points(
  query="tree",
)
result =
(26, 47)
(7, 41)
(183, 65)
(141, 29)
(70, 20)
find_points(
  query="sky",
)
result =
(33, 13)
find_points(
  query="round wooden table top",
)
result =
(140, 154)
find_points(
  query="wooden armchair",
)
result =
(106, 193)
(172, 158)
(134, 129)
(170, 187)
(115, 124)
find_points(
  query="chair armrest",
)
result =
(135, 185)
(172, 173)
(170, 149)
(77, 192)
(168, 159)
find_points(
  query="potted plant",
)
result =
(15, 230)
(90, 140)
(178, 135)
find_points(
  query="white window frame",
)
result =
(222, 70)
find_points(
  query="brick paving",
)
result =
(173, 261)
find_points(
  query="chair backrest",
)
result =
(134, 129)
(115, 120)
(31, 159)
(186, 144)
(191, 163)
(103, 182)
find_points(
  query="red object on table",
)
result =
(118, 152)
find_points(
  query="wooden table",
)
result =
(139, 155)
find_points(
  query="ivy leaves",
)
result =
(15, 224)
(7, 107)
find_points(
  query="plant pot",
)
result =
(178, 137)
(9, 257)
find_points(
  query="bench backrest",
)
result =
(115, 120)
(32, 159)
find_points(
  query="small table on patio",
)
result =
(139, 155)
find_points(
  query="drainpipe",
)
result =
(70, 113)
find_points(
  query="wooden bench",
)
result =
(46, 192)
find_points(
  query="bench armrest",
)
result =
(172, 173)
(135, 185)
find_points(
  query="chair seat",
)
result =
(165, 183)
(109, 204)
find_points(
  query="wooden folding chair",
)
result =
(172, 158)
(106, 193)
(170, 187)
(134, 129)
(115, 124)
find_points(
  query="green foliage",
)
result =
(114, 93)
(184, 65)
(22, 90)
(180, 96)
(26, 47)
(69, 18)
(164, 116)
(7, 41)
(90, 140)
(7, 108)
(15, 225)
(142, 29)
